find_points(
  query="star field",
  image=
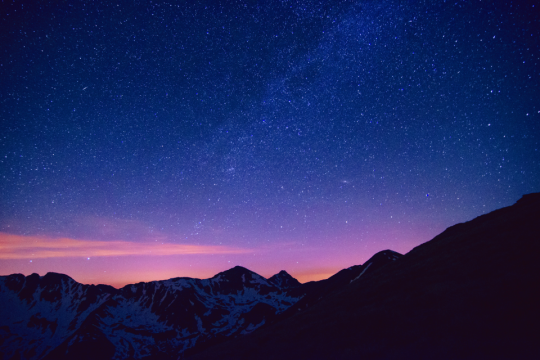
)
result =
(296, 135)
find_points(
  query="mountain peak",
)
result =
(240, 276)
(235, 272)
(389, 254)
(56, 278)
(532, 198)
(283, 280)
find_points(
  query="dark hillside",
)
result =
(470, 293)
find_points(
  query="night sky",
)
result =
(144, 140)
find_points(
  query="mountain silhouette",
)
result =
(470, 293)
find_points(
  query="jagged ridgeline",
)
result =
(469, 293)
(54, 317)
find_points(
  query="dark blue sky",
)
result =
(332, 129)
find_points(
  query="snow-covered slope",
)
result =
(53, 316)
(38, 313)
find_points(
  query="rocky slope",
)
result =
(54, 317)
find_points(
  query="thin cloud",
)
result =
(18, 247)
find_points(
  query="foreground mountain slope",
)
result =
(312, 292)
(470, 293)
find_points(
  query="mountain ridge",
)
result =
(451, 297)
(465, 294)
(55, 317)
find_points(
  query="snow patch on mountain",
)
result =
(54, 312)
(362, 273)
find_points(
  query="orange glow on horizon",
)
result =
(314, 275)
(302, 278)
(17, 247)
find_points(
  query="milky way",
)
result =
(296, 135)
